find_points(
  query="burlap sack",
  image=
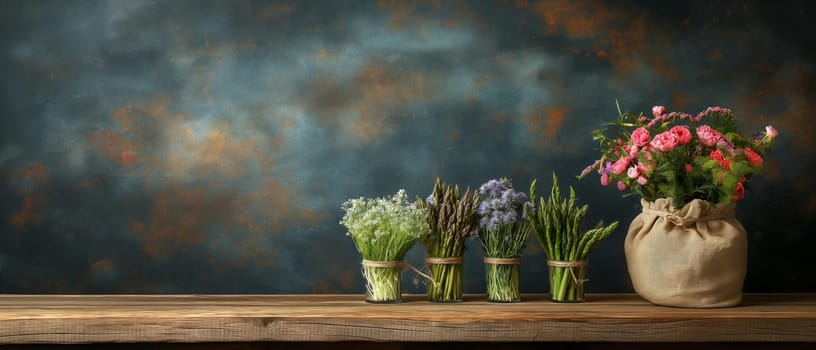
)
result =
(693, 257)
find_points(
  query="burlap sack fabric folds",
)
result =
(693, 257)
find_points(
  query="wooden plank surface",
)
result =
(248, 318)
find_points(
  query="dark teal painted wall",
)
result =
(206, 146)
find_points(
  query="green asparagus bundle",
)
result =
(452, 218)
(557, 225)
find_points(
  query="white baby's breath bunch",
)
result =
(383, 229)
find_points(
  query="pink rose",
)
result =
(619, 166)
(658, 110)
(640, 137)
(665, 141)
(771, 132)
(682, 134)
(621, 186)
(642, 180)
(708, 136)
(754, 159)
(605, 179)
(632, 172)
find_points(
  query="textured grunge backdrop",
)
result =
(206, 146)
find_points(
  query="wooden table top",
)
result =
(320, 317)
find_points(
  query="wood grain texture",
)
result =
(69, 319)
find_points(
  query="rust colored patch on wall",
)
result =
(30, 213)
(384, 91)
(182, 216)
(116, 146)
(626, 40)
(546, 122)
(679, 100)
(195, 198)
(576, 19)
(554, 121)
(37, 173)
(102, 265)
(34, 196)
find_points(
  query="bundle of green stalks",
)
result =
(452, 218)
(557, 225)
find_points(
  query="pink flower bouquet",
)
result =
(680, 156)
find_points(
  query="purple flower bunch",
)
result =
(501, 205)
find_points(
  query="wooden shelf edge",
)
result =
(61, 319)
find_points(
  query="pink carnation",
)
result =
(621, 186)
(642, 168)
(633, 151)
(682, 134)
(771, 131)
(642, 180)
(739, 192)
(665, 141)
(632, 172)
(640, 137)
(605, 179)
(716, 155)
(619, 166)
(754, 159)
(658, 110)
(708, 136)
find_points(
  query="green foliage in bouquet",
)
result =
(680, 156)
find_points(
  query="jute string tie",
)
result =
(455, 260)
(372, 263)
(502, 261)
(672, 216)
(570, 265)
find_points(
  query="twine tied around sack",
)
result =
(571, 265)
(397, 263)
(672, 216)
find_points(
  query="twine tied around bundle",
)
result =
(397, 263)
(570, 265)
(502, 261)
(672, 216)
(454, 260)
